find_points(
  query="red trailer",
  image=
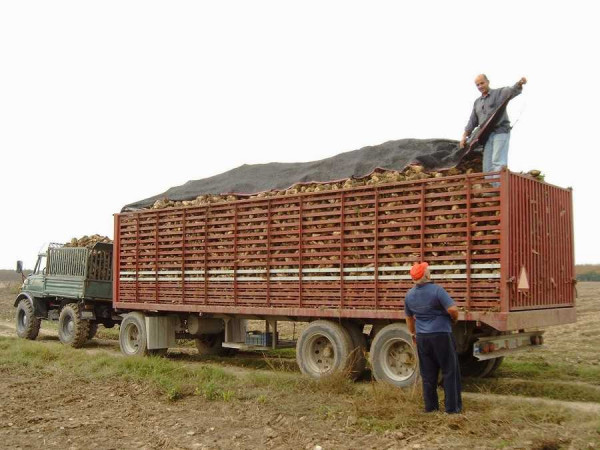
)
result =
(500, 243)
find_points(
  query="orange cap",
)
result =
(418, 270)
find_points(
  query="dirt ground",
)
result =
(67, 414)
(66, 411)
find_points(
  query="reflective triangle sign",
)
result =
(523, 280)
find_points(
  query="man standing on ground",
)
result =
(495, 151)
(432, 310)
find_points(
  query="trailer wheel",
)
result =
(323, 349)
(497, 363)
(359, 348)
(132, 335)
(211, 345)
(93, 330)
(72, 329)
(28, 326)
(472, 367)
(394, 356)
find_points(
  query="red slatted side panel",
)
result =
(541, 245)
(308, 241)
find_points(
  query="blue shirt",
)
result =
(429, 303)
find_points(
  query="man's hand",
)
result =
(463, 142)
(453, 312)
(522, 81)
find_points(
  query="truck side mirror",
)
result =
(19, 266)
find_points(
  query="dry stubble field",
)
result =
(57, 397)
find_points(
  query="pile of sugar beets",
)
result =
(398, 230)
(412, 172)
(88, 241)
(394, 230)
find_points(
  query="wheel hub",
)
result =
(399, 360)
(133, 338)
(321, 355)
(22, 320)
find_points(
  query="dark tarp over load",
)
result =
(432, 154)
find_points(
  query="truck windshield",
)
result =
(40, 266)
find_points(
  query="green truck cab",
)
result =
(71, 285)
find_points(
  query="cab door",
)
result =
(36, 282)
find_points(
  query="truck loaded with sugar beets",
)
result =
(71, 285)
(338, 258)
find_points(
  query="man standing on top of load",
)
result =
(495, 152)
(433, 310)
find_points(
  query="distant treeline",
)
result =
(587, 272)
(588, 276)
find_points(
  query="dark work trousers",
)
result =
(438, 351)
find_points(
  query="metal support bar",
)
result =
(376, 244)
(468, 255)
(137, 256)
(300, 218)
(342, 222)
(156, 285)
(206, 218)
(268, 252)
(183, 221)
(235, 252)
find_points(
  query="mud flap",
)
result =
(40, 308)
(160, 332)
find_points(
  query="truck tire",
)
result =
(394, 356)
(497, 363)
(324, 348)
(472, 367)
(72, 329)
(28, 326)
(359, 348)
(132, 335)
(93, 330)
(211, 345)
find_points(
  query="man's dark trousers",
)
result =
(438, 351)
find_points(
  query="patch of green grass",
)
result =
(279, 363)
(542, 370)
(272, 381)
(246, 360)
(335, 384)
(288, 352)
(170, 377)
(534, 388)
(109, 334)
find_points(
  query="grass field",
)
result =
(55, 396)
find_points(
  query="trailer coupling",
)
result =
(496, 346)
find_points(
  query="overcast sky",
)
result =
(104, 103)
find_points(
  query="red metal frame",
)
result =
(359, 236)
(116, 258)
(540, 241)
